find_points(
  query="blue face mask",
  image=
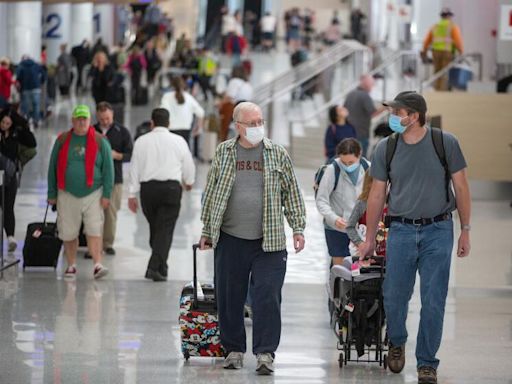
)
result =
(350, 168)
(394, 122)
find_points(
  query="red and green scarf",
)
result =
(91, 151)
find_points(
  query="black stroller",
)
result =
(357, 311)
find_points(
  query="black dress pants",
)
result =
(160, 201)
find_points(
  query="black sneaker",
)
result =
(396, 358)
(427, 375)
(110, 251)
(87, 255)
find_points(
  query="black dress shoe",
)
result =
(156, 276)
(110, 251)
(87, 255)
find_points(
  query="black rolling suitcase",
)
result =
(199, 325)
(42, 245)
(140, 96)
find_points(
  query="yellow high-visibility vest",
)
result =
(442, 36)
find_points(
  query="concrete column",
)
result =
(56, 28)
(24, 29)
(81, 23)
(3, 28)
(103, 23)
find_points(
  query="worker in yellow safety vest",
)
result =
(207, 68)
(444, 38)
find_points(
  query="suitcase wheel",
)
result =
(186, 355)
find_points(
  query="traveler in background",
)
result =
(238, 89)
(30, 76)
(121, 143)
(236, 46)
(228, 26)
(14, 131)
(338, 130)
(102, 76)
(153, 60)
(444, 38)
(336, 202)
(82, 55)
(64, 67)
(268, 28)
(243, 219)
(207, 68)
(361, 109)
(6, 81)
(182, 107)
(420, 240)
(135, 65)
(332, 34)
(80, 181)
(357, 25)
(161, 164)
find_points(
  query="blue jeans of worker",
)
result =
(426, 249)
(30, 104)
(242, 265)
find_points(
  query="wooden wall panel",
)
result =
(483, 125)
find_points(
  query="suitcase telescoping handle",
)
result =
(195, 247)
(46, 213)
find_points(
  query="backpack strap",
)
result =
(337, 172)
(365, 164)
(390, 151)
(437, 139)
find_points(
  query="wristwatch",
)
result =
(465, 227)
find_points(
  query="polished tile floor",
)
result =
(124, 329)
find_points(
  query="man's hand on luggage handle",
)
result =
(187, 187)
(133, 204)
(52, 201)
(341, 224)
(205, 243)
(298, 242)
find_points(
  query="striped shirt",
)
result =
(281, 190)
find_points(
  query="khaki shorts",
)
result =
(73, 210)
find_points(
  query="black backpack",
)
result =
(437, 139)
(337, 171)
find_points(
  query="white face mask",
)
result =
(254, 135)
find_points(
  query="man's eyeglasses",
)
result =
(252, 124)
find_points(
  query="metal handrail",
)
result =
(298, 75)
(458, 60)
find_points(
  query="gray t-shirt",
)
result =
(417, 176)
(360, 107)
(243, 217)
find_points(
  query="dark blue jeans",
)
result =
(235, 260)
(426, 249)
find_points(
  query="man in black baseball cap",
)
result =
(408, 100)
(415, 172)
(446, 12)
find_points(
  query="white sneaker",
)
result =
(100, 271)
(234, 360)
(265, 364)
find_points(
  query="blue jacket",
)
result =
(30, 75)
(334, 134)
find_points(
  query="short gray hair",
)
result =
(244, 106)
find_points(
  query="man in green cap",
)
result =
(80, 182)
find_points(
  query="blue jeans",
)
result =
(30, 104)
(242, 266)
(426, 249)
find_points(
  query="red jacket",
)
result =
(5, 83)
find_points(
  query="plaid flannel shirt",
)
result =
(281, 194)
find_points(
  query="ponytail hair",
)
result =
(177, 84)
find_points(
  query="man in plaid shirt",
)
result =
(251, 186)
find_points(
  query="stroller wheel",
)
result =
(385, 361)
(341, 360)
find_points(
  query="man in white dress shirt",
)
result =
(161, 163)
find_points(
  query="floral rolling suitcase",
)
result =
(199, 326)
